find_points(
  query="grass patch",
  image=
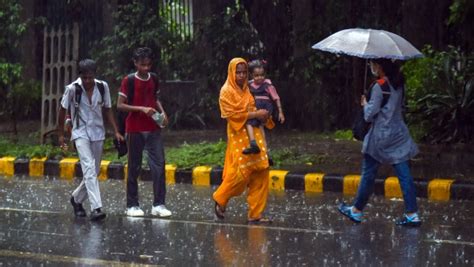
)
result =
(288, 156)
(21, 150)
(342, 135)
(185, 156)
(190, 155)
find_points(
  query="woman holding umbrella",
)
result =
(388, 141)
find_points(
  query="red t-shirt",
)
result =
(143, 95)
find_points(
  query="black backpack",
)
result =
(360, 127)
(77, 100)
(122, 115)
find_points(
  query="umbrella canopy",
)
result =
(368, 43)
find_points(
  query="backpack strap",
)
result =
(131, 88)
(154, 76)
(385, 91)
(77, 94)
(122, 115)
(101, 87)
(77, 101)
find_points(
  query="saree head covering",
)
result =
(233, 98)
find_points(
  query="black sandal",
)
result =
(219, 211)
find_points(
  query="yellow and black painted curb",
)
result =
(68, 168)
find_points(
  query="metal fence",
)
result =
(60, 55)
(179, 14)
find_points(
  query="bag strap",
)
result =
(131, 88)
(101, 87)
(154, 76)
(77, 102)
(385, 91)
(78, 96)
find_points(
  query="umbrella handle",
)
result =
(365, 76)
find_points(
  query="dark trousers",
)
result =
(152, 143)
(366, 186)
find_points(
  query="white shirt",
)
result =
(91, 123)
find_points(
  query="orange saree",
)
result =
(241, 171)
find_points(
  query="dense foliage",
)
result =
(329, 85)
(137, 25)
(441, 95)
(319, 91)
(177, 57)
(10, 69)
(19, 97)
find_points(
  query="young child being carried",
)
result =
(265, 95)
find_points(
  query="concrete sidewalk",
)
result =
(440, 189)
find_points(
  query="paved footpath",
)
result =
(37, 227)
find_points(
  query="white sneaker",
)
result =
(135, 212)
(161, 211)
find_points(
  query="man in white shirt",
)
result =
(86, 98)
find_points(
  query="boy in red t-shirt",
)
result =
(142, 133)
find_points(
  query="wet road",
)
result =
(38, 228)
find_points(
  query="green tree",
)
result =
(140, 23)
(10, 69)
(440, 95)
(460, 22)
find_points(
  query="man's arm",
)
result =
(162, 110)
(160, 107)
(111, 120)
(121, 105)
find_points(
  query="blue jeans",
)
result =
(366, 186)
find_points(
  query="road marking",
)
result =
(454, 242)
(278, 228)
(38, 232)
(65, 259)
(33, 211)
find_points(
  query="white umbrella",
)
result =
(368, 43)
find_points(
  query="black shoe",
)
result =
(252, 149)
(97, 215)
(78, 209)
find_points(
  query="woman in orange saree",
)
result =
(242, 171)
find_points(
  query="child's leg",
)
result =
(253, 148)
(270, 160)
(262, 130)
(250, 132)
